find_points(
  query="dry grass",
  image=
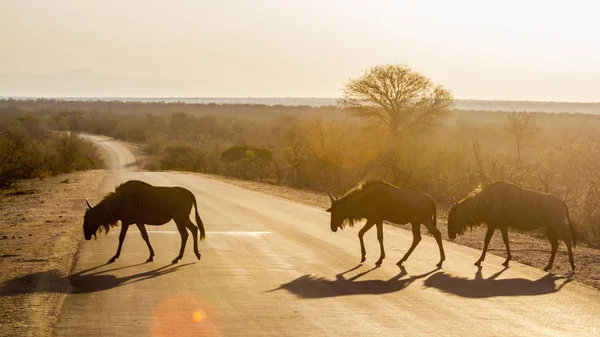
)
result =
(40, 232)
(525, 248)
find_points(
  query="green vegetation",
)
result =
(28, 149)
(447, 154)
(247, 161)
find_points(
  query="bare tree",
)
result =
(522, 126)
(480, 160)
(398, 97)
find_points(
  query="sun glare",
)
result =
(198, 316)
(185, 315)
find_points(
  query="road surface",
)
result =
(271, 267)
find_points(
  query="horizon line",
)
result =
(123, 98)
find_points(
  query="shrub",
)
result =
(24, 156)
(183, 158)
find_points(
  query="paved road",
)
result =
(271, 267)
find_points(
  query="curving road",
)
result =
(271, 267)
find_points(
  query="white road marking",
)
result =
(240, 233)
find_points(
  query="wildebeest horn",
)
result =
(454, 200)
(88, 203)
(332, 198)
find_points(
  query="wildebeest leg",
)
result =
(552, 236)
(184, 235)
(380, 239)
(361, 233)
(438, 238)
(194, 230)
(416, 231)
(124, 228)
(488, 237)
(504, 231)
(142, 229)
(570, 251)
(566, 237)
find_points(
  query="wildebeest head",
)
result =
(95, 220)
(338, 214)
(90, 226)
(462, 214)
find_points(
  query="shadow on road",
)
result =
(88, 283)
(491, 287)
(81, 282)
(309, 286)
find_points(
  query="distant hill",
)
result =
(461, 104)
(84, 83)
(530, 106)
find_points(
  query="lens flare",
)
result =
(185, 315)
(198, 316)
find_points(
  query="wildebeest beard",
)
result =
(347, 204)
(103, 216)
(467, 215)
(349, 222)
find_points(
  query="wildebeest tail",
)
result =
(571, 228)
(198, 220)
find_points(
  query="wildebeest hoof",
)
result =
(150, 259)
(439, 265)
(399, 263)
(478, 263)
(505, 263)
(175, 261)
(111, 260)
(547, 268)
(198, 255)
(363, 259)
(378, 263)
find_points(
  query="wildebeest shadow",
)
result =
(309, 286)
(491, 287)
(81, 282)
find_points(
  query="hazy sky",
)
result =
(533, 50)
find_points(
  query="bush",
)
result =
(183, 158)
(248, 161)
(29, 150)
(240, 152)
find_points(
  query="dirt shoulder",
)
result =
(40, 232)
(525, 248)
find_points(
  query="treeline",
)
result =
(254, 111)
(556, 153)
(29, 148)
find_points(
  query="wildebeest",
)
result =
(377, 201)
(504, 204)
(136, 202)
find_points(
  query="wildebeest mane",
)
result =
(475, 192)
(363, 185)
(352, 194)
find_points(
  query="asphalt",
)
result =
(271, 267)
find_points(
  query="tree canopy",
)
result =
(398, 97)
